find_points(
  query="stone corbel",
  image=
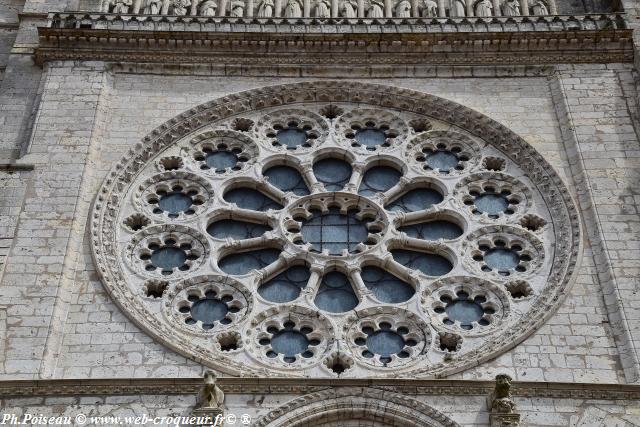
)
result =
(501, 405)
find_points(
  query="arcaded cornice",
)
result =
(351, 42)
(136, 386)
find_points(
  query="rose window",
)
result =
(322, 233)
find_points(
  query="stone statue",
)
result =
(209, 8)
(265, 9)
(120, 6)
(403, 9)
(458, 9)
(539, 8)
(322, 9)
(484, 8)
(429, 9)
(210, 396)
(237, 8)
(293, 9)
(180, 7)
(349, 9)
(501, 401)
(152, 7)
(376, 9)
(511, 8)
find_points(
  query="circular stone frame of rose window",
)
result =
(160, 147)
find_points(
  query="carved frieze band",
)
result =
(264, 42)
(190, 386)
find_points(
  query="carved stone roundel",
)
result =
(329, 229)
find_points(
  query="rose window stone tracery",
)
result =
(335, 231)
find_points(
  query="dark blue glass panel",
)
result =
(285, 286)
(334, 231)
(335, 294)
(238, 230)
(289, 343)
(429, 264)
(209, 310)
(291, 137)
(385, 343)
(248, 198)
(501, 259)
(220, 160)
(287, 179)
(168, 258)
(370, 137)
(378, 180)
(491, 203)
(175, 202)
(465, 311)
(433, 230)
(244, 262)
(442, 160)
(416, 200)
(386, 287)
(333, 173)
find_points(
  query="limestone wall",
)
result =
(63, 324)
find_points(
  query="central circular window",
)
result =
(336, 224)
(334, 231)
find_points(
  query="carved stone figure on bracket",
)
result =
(265, 9)
(539, 8)
(119, 6)
(501, 398)
(376, 9)
(152, 7)
(210, 396)
(484, 8)
(180, 7)
(403, 9)
(429, 9)
(293, 9)
(237, 8)
(511, 8)
(322, 9)
(458, 9)
(209, 8)
(502, 404)
(349, 9)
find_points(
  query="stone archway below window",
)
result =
(355, 407)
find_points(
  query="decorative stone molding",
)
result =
(277, 42)
(409, 387)
(339, 404)
(550, 262)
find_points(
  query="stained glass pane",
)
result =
(289, 343)
(238, 230)
(502, 259)
(334, 231)
(333, 173)
(285, 286)
(286, 179)
(244, 262)
(386, 287)
(491, 203)
(433, 230)
(416, 200)
(335, 294)
(429, 264)
(248, 198)
(378, 180)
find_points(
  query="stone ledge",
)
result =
(129, 386)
